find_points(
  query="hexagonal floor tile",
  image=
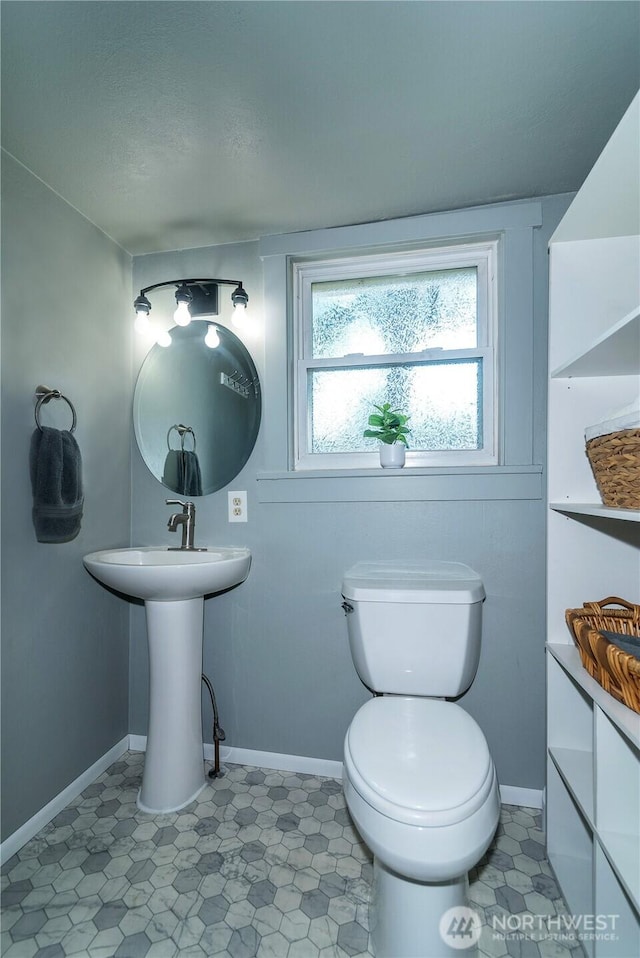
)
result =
(263, 864)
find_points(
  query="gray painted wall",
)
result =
(276, 647)
(66, 323)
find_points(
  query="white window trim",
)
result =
(484, 256)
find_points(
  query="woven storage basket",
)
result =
(615, 461)
(616, 671)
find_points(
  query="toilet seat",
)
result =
(419, 761)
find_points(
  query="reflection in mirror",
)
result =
(196, 409)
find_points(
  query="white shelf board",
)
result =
(608, 201)
(574, 877)
(624, 857)
(615, 353)
(576, 769)
(596, 509)
(622, 717)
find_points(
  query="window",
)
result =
(416, 329)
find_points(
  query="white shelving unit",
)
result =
(593, 768)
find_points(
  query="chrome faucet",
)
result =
(186, 519)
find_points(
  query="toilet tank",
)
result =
(414, 627)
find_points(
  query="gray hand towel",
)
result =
(172, 469)
(191, 476)
(182, 473)
(56, 480)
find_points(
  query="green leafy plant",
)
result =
(390, 425)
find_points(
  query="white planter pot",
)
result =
(392, 455)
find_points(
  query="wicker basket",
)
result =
(615, 461)
(616, 671)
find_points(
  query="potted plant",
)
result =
(391, 431)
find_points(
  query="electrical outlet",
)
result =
(237, 506)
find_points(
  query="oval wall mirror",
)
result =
(196, 410)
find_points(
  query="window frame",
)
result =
(484, 256)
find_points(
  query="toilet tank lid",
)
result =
(429, 580)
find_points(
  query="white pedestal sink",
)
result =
(173, 585)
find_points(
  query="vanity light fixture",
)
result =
(195, 299)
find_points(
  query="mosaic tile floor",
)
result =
(263, 863)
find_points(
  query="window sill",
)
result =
(402, 485)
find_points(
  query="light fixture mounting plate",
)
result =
(204, 300)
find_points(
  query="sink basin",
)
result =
(155, 573)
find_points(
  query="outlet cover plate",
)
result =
(237, 506)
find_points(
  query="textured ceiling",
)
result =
(179, 124)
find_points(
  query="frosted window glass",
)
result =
(395, 314)
(443, 400)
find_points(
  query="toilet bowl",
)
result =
(421, 786)
(422, 791)
(418, 776)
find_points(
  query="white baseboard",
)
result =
(26, 832)
(248, 756)
(509, 794)
(276, 760)
(514, 795)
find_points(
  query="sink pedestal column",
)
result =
(174, 766)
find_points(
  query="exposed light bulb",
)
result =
(239, 296)
(142, 307)
(163, 338)
(239, 315)
(182, 316)
(142, 323)
(212, 339)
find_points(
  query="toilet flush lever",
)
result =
(348, 608)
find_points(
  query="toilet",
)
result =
(419, 780)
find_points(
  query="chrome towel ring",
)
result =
(45, 394)
(182, 431)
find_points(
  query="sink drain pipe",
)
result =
(218, 732)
